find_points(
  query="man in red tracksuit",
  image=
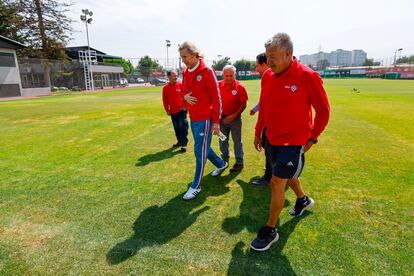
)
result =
(173, 100)
(234, 98)
(204, 105)
(286, 102)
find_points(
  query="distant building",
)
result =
(10, 84)
(338, 58)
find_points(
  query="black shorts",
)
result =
(287, 161)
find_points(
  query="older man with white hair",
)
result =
(234, 98)
(286, 101)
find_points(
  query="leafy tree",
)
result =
(218, 65)
(10, 20)
(128, 67)
(244, 65)
(371, 62)
(322, 64)
(147, 65)
(405, 59)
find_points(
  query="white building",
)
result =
(339, 58)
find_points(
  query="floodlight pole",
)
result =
(87, 21)
(168, 45)
(395, 55)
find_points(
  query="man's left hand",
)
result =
(229, 119)
(308, 145)
(216, 129)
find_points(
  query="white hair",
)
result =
(280, 40)
(230, 67)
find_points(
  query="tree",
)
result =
(10, 20)
(147, 65)
(42, 25)
(405, 59)
(218, 65)
(371, 62)
(322, 64)
(128, 68)
(244, 65)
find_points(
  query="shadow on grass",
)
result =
(253, 214)
(158, 156)
(158, 225)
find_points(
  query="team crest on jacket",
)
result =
(293, 88)
(234, 92)
(199, 77)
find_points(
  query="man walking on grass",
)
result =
(234, 98)
(285, 108)
(173, 100)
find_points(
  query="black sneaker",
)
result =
(176, 145)
(301, 205)
(262, 181)
(265, 238)
(237, 168)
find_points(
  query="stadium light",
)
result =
(168, 45)
(395, 55)
(84, 18)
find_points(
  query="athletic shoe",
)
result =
(301, 205)
(176, 145)
(262, 181)
(191, 193)
(218, 171)
(265, 238)
(183, 149)
(237, 168)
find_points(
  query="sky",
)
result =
(239, 28)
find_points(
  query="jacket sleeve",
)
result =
(214, 95)
(165, 99)
(260, 116)
(320, 103)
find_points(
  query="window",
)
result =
(7, 60)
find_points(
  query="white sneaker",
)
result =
(218, 171)
(191, 193)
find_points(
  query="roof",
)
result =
(73, 52)
(10, 43)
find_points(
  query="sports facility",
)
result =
(89, 184)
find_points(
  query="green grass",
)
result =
(88, 185)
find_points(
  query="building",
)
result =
(337, 58)
(10, 84)
(104, 74)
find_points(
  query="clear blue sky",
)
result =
(239, 28)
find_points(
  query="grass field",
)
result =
(89, 185)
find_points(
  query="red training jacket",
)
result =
(173, 97)
(232, 96)
(286, 103)
(201, 81)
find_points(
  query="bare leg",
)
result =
(277, 186)
(294, 184)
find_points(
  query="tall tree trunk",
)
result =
(45, 48)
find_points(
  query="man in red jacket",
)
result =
(234, 98)
(286, 102)
(173, 100)
(204, 105)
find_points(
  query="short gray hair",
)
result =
(280, 40)
(230, 67)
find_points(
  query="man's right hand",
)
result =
(190, 99)
(252, 112)
(258, 143)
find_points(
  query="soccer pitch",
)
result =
(89, 185)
